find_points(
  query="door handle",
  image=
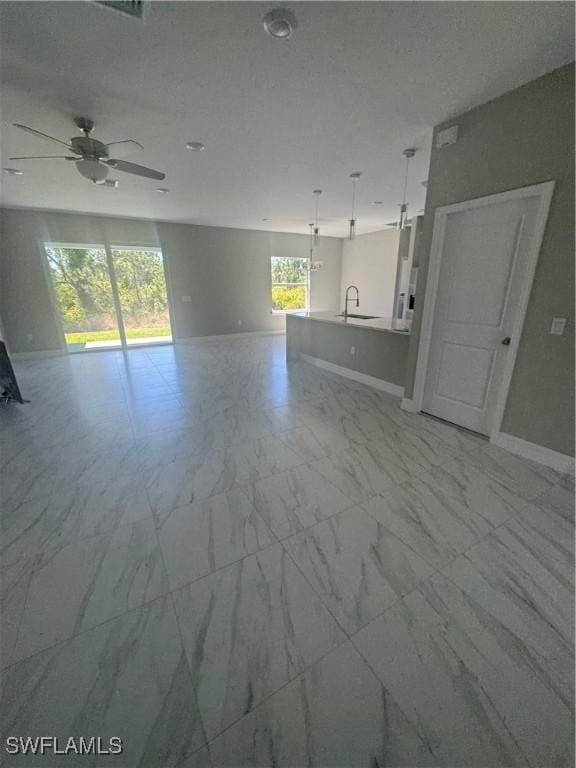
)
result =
(506, 341)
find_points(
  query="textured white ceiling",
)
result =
(355, 84)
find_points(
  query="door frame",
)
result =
(544, 192)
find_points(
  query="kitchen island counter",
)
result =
(373, 350)
(389, 324)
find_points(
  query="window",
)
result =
(289, 284)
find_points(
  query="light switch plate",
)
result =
(558, 326)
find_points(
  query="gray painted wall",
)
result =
(227, 274)
(521, 138)
(225, 271)
(378, 353)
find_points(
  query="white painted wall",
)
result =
(370, 262)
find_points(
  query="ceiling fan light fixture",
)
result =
(92, 169)
(94, 156)
(280, 23)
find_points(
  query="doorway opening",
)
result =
(109, 296)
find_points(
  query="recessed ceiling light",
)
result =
(265, 219)
(280, 23)
(376, 203)
(162, 190)
(196, 146)
(13, 171)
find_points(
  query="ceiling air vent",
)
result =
(130, 7)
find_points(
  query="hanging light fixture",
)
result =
(317, 193)
(354, 176)
(310, 260)
(311, 265)
(403, 219)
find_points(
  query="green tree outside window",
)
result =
(289, 283)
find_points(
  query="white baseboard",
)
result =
(408, 405)
(561, 462)
(37, 355)
(223, 336)
(348, 373)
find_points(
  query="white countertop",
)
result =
(388, 324)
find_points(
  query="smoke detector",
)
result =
(280, 23)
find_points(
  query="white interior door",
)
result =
(484, 254)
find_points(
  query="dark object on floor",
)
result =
(9, 389)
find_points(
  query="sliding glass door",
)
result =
(109, 296)
(142, 294)
(84, 295)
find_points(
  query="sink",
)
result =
(359, 317)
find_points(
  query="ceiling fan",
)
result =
(92, 157)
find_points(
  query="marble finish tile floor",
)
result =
(228, 561)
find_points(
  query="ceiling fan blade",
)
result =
(45, 157)
(138, 170)
(125, 147)
(43, 135)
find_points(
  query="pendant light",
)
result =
(354, 176)
(317, 193)
(310, 259)
(403, 220)
(311, 265)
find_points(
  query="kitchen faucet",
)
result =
(346, 299)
